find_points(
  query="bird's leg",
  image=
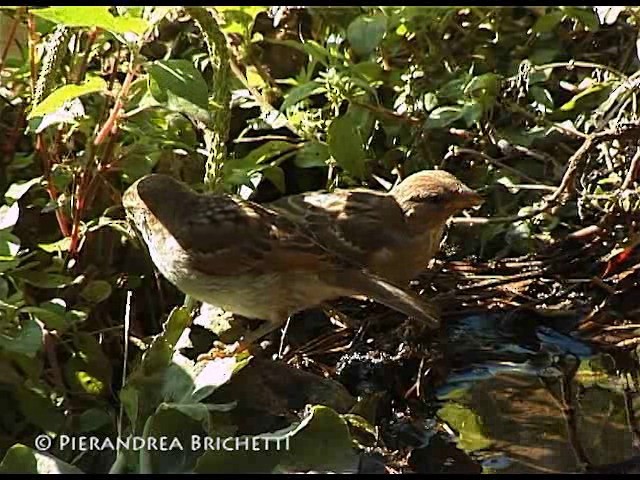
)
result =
(238, 347)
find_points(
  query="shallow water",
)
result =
(527, 398)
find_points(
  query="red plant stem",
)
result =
(87, 177)
(47, 162)
(31, 24)
(91, 38)
(10, 37)
(110, 126)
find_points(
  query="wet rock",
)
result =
(270, 395)
(371, 463)
(374, 371)
(442, 457)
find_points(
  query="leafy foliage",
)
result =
(96, 97)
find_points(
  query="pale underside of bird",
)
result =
(247, 259)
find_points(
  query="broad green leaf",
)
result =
(347, 146)
(92, 17)
(542, 96)
(584, 15)
(443, 116)
(453, 90)
(89, 370)
(472, 112)
(320, 441)
(238, 19)
(301, 92)
(17, 190)
(61, 245)
(467, 424)
(42, 279)
(9, 245)
(587, 99)
(178, 86)
(487, 82)
(66, 93)
(93, 419)
(27, 340)
(159, 353)
(366, 32)
(262, 154)
(430, 101)
(312, 154)
(214, 374)
(69, 113)
(52, 315)
(9, 215)
(546, 23)
(275, 175)
(22, 459)
(97, 291)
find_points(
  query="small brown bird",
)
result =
(392, 234)
(247, 259)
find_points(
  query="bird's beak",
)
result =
(469, 199)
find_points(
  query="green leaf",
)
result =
(92, 17)
(96, 291)
(276, 176)
(542, 96)
(42, 279)
(262, 154)
(366, 32)
(26, 341)
(468, 425)
(214, 374)
(299, 93)
(346, 145)
(238, 19)
(9, 215)
(587, 99)
(17, 190)
(9, 245)
(66, 93)
(472, 112)
(93, 419)
(320, 441)
(443, 116)
(584, 15)
(178, 86)
(51, 314)
(61, 245)
(312, 154)
(22, 459)
(487, 84)
(546, 23)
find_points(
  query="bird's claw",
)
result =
(220, 350)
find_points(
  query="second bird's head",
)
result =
(432, 196)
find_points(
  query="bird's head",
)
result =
(432, 196)
(154, 199)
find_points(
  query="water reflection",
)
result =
(526, 398)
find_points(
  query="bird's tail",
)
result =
(390, 295)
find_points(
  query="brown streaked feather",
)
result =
(348, 221)
(262, 239)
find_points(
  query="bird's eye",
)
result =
(434, 199)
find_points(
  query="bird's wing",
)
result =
(356, 223)
(229, 236)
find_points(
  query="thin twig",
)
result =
(468, 151)
(632, 173)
